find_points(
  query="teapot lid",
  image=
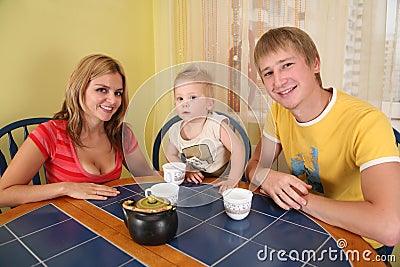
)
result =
(150, 204)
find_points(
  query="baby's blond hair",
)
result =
(194, 74)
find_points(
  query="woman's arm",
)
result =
(15, 188)
(138, 165)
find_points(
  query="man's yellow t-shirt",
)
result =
(330, 151)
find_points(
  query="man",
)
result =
(340, 150)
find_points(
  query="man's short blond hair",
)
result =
(287, 38)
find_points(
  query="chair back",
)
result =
(237, 128)
(10, 130)
(397, 136)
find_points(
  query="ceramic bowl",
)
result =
(237, 202)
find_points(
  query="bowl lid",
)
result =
(150, 204)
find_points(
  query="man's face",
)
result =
(287, 77)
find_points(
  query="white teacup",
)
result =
(164, 190)
(174, 172)
(237, 202)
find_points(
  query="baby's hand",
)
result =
(194, 177)
(225, 185)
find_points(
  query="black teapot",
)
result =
(151, 220)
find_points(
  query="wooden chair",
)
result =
(234, 124)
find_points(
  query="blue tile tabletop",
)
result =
(49, 237)
(268, 236)
(208, 235)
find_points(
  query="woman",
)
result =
(85, 144)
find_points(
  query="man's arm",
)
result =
(377, 217)
(266, 152)
(285, 189)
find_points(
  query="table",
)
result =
(71, 232)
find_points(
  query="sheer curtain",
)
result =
(391, 82)
(358, 54)
(225, 32)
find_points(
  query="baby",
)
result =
(210, 146)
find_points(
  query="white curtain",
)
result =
(358, 54)
(391, 82)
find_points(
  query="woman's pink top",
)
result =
(62, 163)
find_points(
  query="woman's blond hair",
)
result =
(89, 68)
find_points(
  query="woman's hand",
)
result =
(89, 191)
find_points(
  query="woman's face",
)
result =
(103, 97)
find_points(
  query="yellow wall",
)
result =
(41, 41)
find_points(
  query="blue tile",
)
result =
(196, 187)
(248, 227)
(5, 235)
(207, 234)
(204, 212)
(133, 263)
(212, 191)
(114, 209)
(124, 194)
(185, 193)
(330, 255)
(286, 236)
(36, 219)
(14, 254)
(57, 238)
(185, 222)
(207, 243)
(189, 192)
(266, 205)
(139, 188)
(251, 254)
(198, 199)
(197, 195)
(302, 219)
(96, 252)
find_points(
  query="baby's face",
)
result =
(191, 102)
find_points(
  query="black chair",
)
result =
(234, 124)
(397, 135)
(11, 130)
